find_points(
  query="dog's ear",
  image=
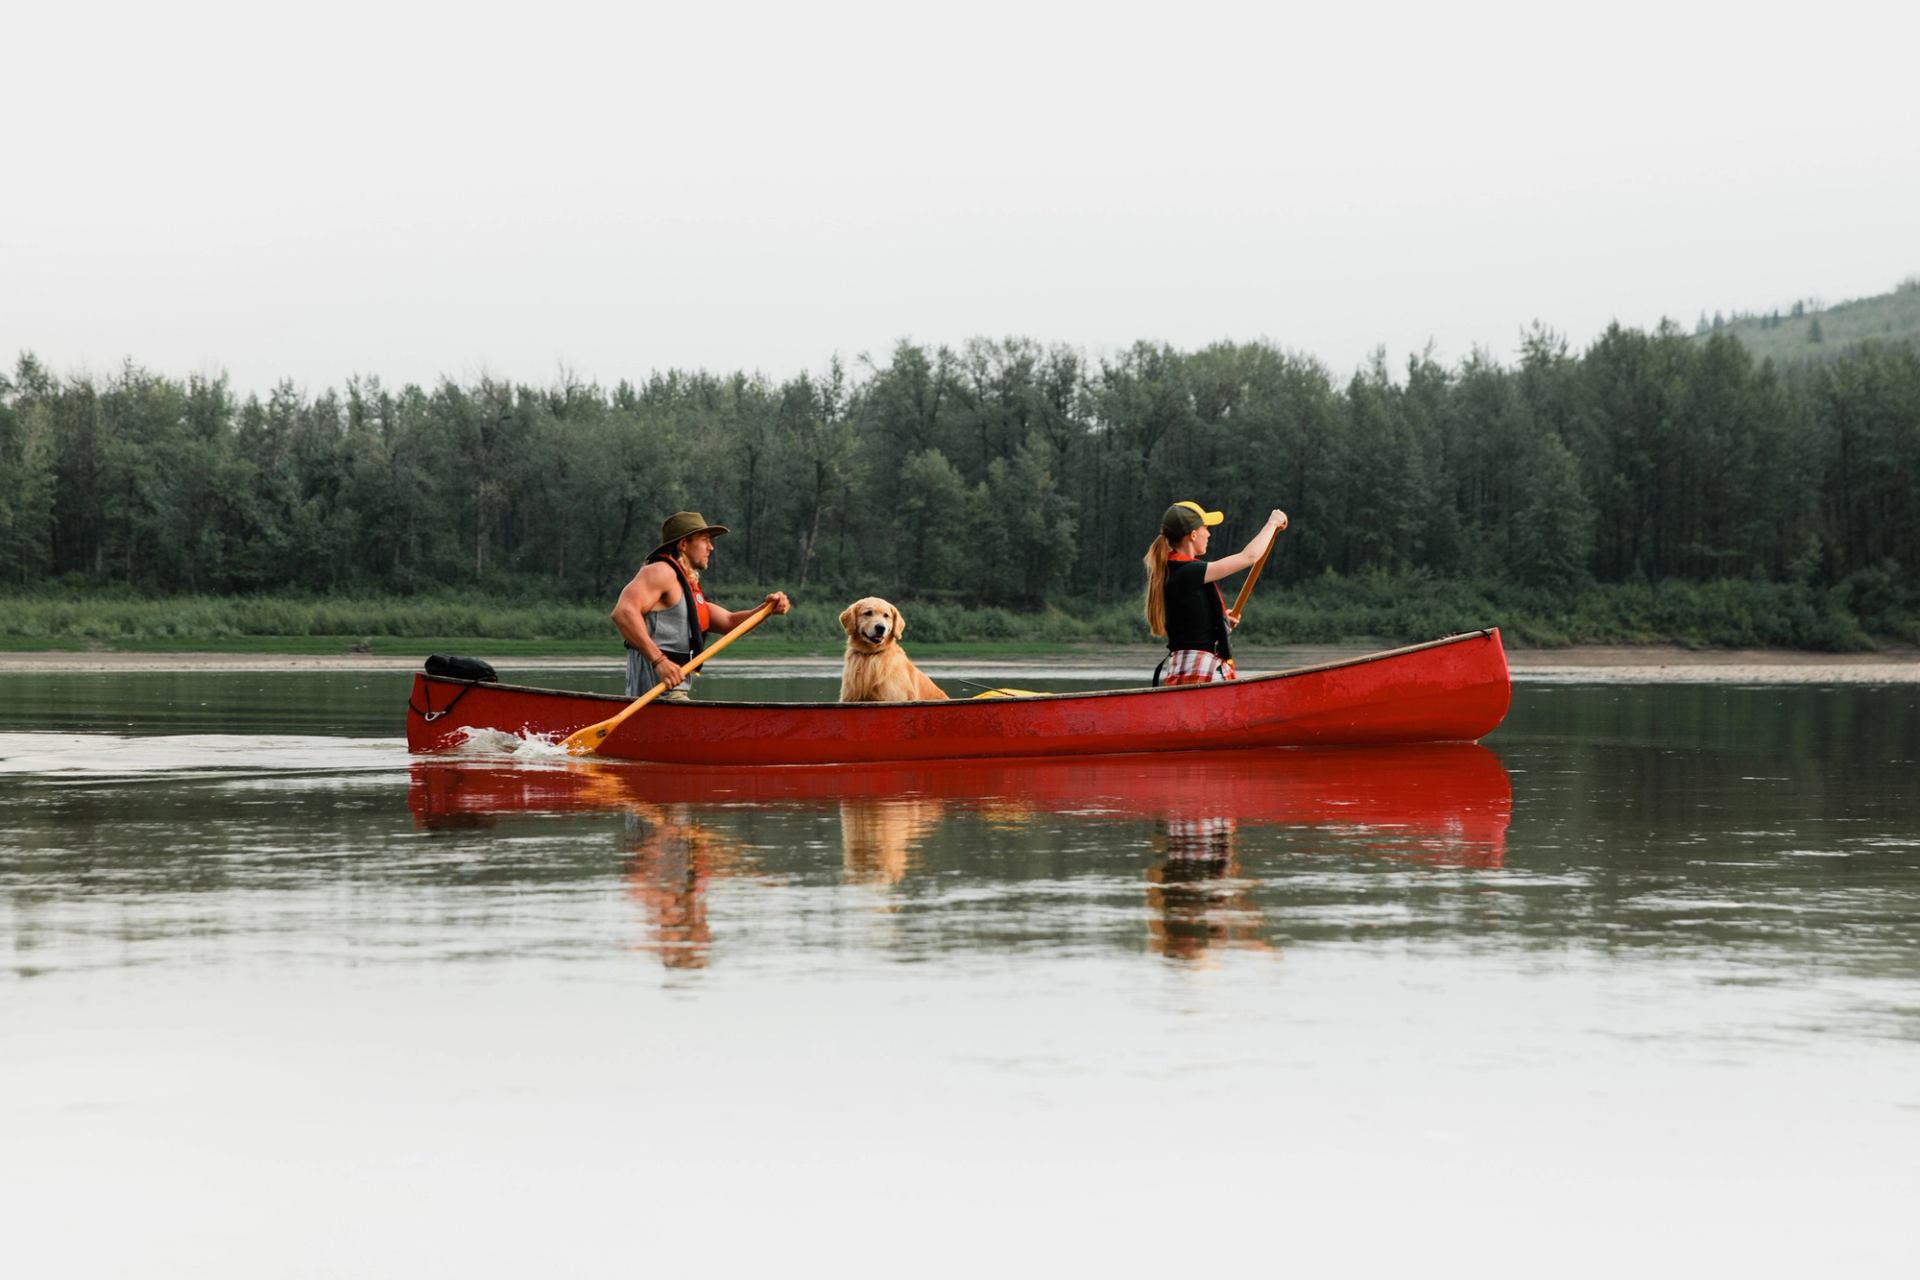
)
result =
(846, 618)
(899, 623)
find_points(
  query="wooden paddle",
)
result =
(588, 740)
(1253, 576)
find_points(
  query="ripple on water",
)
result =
(85, 755)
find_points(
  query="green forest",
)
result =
(1657, 485)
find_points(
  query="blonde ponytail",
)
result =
(1156, 562)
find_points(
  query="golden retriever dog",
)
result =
(876, 668)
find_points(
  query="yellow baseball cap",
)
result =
(1182, 518)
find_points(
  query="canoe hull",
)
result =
(1452, 690)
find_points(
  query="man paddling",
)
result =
(661, 613)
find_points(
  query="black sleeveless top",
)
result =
(1196, 613)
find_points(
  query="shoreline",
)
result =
(1633, 664)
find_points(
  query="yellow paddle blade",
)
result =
(585, 742)
(1008, 693)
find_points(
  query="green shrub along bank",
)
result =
(1867, 609)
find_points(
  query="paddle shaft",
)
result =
(1253, 576)
(589, 739)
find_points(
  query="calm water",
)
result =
(1635, 983)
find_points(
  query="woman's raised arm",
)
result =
(1244, 558)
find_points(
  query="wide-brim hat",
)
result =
(1182, 518)
(684, 524)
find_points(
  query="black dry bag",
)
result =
(458, 668)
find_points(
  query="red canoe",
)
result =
(1451, 690)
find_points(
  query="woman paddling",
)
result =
(1184, 605)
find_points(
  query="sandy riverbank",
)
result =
(1622, 664)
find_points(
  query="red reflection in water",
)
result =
(1442, 804)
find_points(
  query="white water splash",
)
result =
(498, 742)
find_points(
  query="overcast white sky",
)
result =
(415, 190)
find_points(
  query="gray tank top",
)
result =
(669, 628)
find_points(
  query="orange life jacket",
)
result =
(697, 612)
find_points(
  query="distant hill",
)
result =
(1807, 330)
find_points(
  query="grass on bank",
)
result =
(1867, 610)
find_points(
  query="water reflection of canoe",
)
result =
(1450, 800)
(1452, 690)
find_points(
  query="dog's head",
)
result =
(872, 623)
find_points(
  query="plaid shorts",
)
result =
(1194, 666)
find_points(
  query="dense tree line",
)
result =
(1007, 473)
